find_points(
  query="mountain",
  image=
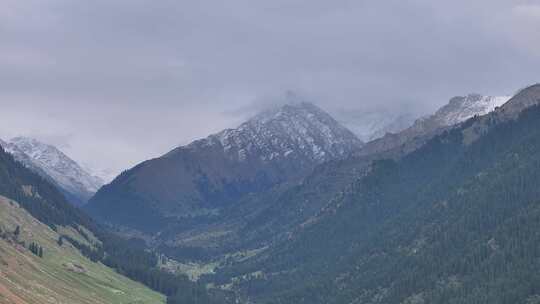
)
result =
(458, 109)
(49, 162)
(299, 203)
(454, 221)
(277, 146)
(370, 125)
(300, 131)
(461, 108)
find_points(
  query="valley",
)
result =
(237, 217)
(233, 246)
(269, 152)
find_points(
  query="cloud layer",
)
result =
(114, 82)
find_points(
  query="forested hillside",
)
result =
(453, 222)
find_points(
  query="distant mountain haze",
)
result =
(372, 124)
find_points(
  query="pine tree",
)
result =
(32, 247)
(36, 249)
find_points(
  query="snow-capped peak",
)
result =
(296, 129)
(50, 161)
(458, 110)
(462, 108)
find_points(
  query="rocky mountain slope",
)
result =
(461, 108)
(278, 146)
(49, 162)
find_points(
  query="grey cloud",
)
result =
(118, 81)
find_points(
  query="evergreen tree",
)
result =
(32, 248)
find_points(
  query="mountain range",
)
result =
(454, 221)
(248, 187)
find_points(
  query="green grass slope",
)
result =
(63, 275)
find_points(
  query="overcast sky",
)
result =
(114, 82)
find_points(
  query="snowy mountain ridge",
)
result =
(457, 110)
(298, 129)
(373, 124)
(461, 108)
(53, 164)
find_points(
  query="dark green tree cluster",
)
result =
(94, 254)
(36, 249)
(192, 296)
